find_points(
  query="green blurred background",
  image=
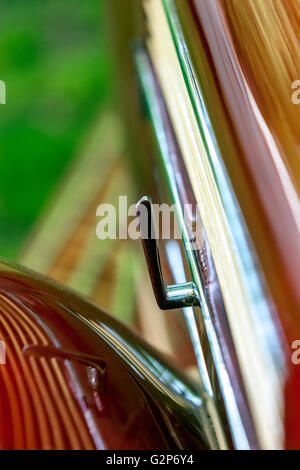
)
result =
(54, 60)
(72, 136)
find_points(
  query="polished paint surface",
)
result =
(75, 378)
(254, 48)
(266, 39)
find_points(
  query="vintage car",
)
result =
(209, 91)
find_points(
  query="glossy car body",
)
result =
(75, 378)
